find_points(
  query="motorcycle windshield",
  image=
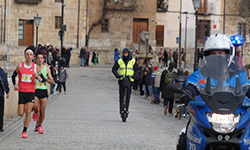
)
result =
(219, 73)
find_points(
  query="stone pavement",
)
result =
(87, 118)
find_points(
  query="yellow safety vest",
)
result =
(126, 70)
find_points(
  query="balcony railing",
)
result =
(28, 1)
(129, 5)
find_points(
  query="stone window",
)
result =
(58, 22)
(105, 25)
(58, 0)
(20, 32)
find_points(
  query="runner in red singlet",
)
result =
(26, 72)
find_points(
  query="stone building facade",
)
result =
(23, 30)
(237, 24)
(124, 20)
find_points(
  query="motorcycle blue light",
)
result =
(201, 104)
(245, 104)
(237, 40)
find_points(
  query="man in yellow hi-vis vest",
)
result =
(128, 71)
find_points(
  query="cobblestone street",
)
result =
(87, 118)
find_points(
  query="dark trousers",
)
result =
(141, 88)
(171, 103)
(1, 110)
(122, 92)
(67, 61)
(135, 87)
(175, 63)
(60, 84)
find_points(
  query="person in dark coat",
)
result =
(94, 58)
(4, 88)
(168, 97)
(88, 55)
(68, 55)
(63, 52)
(165, 59)
(83, 56)
(55, 57)
(147, 79)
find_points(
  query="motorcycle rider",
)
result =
(220, 46)
(128, 71)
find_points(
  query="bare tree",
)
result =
(244, 9)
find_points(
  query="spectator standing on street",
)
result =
(167, 75)
(160, 55)
(4, 88)
(63, 52)
(170, 55)
(94, 58)
(147, 79)
(165, 59)
(116, 55)
(68, 55)
(63, 76)
(88, 55)
(44, 51)
(156, 78)
(83, 56)
(183, 55)
(175, 56)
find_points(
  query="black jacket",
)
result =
(83, 53)
(163, 89)
(4, 83)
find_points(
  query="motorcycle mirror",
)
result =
(174, 87)
(237, 87)
(208, 86)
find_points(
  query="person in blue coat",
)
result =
(116, 55)
(219, 53)
(4, 88)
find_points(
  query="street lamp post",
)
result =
(185, 39)
(196, 4)
(147, 35)
(180, 26)
(62, 29)
(37, 20)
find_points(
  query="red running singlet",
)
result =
(26, 76)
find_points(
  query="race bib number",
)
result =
(26, 78)
(40, 84)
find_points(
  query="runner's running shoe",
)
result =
(24, 135)
(40, 130)
(35, 114)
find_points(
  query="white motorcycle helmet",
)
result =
(219, 42)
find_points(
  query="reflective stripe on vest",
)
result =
(126, 70)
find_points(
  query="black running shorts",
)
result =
(25, 97)
(41, 94)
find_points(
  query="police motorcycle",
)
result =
(220, 114)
